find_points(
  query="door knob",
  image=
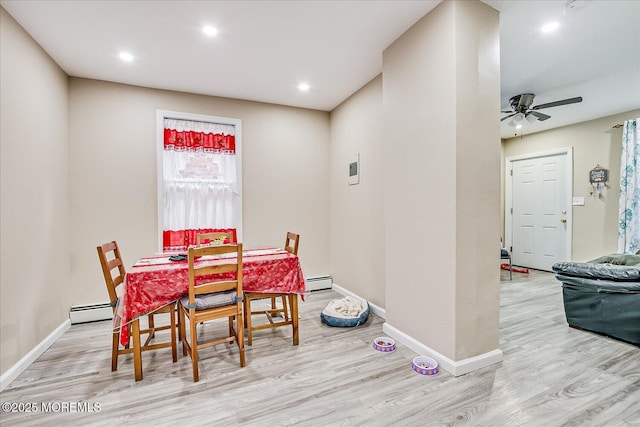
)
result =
(563, 220)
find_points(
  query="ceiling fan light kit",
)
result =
(516, 120)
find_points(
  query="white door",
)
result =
(541, 203)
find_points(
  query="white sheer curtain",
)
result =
(629, 207)
(200, 181)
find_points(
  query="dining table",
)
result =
(157, 280)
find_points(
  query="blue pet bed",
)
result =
(345, 313)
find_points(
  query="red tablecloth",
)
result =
(156, 281)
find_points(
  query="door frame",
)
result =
(508, 189)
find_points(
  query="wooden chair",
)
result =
(215, 237)
(114, 273)
(208, 239)
(291, 244)
(219, 296)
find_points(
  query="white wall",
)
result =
(419, 195)
(112, 166)
(35, 293)
(357, 220)
(441, 195)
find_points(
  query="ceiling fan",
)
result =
(520, 108)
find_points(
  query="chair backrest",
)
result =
(292, 242)
(110, 260)
(223, 275)
(215, 237)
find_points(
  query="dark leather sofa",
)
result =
(603, 295)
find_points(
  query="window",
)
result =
(199, 178)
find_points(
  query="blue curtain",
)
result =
(629, 220)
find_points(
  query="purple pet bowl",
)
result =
(425, 365)
(384, 344)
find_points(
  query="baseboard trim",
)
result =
(456, 368)
(375, 309)
(20, 366)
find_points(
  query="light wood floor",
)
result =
(552, 375)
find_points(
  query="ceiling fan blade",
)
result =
(558, 103)
(506, 117)
(540, 116)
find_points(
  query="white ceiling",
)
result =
(264, 49)
(595, 54)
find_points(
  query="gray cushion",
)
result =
(619, 267)
(216, 299)
(618, 259)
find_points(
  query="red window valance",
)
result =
(192, 140)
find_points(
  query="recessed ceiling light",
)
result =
(304, 87)
(127, 57)
(209, 30)
(550, 27)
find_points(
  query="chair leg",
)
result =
(194, 349)
(183, 329)
(174, 350)
(137, 349)
(293, 301)
(247, 318)
(115, 345)
(274, 306)
(284, 307)
(152, 326)
(510, 270)
(240, 340)
(178, 321)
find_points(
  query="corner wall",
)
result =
(442, 199)
(35, 290)
(357, 220)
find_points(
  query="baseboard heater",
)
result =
(319, 283)
(90, 313)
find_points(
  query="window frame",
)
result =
(161, 115)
